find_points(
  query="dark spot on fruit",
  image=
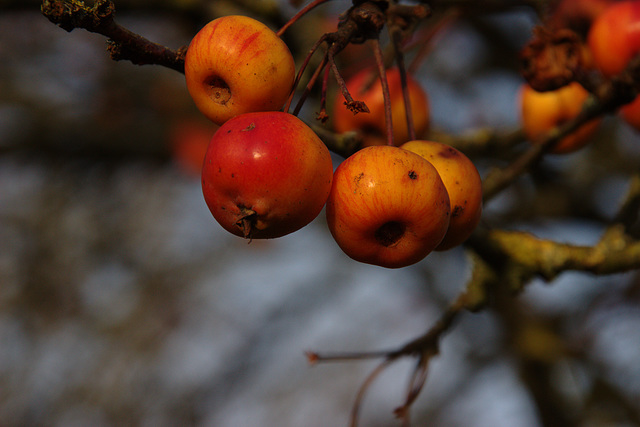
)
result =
(457, 211)
(233, 175)
(448, 153)
(356, 181)
(413, 175)
(252, 126)
(390, 233)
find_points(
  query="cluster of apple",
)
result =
(267, 174)
(391, 206)
(612, 39)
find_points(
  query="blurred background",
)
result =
(122, 302)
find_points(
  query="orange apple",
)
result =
(463, 184)
(265, 175)
(542, 111)
(373, 124)
(387, 207)
(236, 65)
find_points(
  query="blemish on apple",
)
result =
(448, 153)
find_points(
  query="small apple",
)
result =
(373, 124)
(236, 65)
(387, 207)
(542, 111)
(265, 175)
(463, 184)
(614, 37)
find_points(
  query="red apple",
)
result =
(373, 124)
(542, 111)
(614, 37)
(387, 207)
(236, 65)
(463, 184)
(266, 175)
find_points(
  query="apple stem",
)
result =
(377, 51)
(307, 89)
(355, 106)
(424, 37)
(395, 37)
(303, 67)
(322, 115)
(363, 21)
(299, 15)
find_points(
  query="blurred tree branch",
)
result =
(608, 96)
(511, 259)
(519, 256)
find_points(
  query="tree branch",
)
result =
(123, 44)
(608, 97)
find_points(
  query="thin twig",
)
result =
(362, 391)
(423, 347)
(395, 37)
(302, 69)
(416, 383)
(426, 36)
(299, 15)
(310, 84)
(355, 106)
(382, 72)
(322, 114)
